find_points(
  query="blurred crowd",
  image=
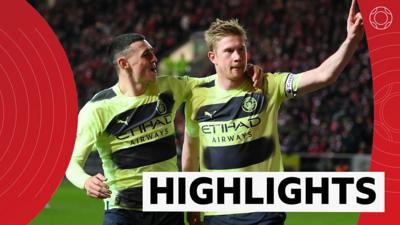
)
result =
(284, 35)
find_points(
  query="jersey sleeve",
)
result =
(282, 86)
(84, 144)
(191, 125)
(183, 85)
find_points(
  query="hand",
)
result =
(256, 74)
(194, 218)
(96, 187)
(355, 25)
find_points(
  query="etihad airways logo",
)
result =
(146, 127)
(229, 126)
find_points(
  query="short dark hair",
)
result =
(122, 43)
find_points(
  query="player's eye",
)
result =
(148, 54)
(229, 50)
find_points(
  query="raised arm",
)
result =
(331, 68)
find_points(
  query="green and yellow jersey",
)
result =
(133, 135)
(238, 128)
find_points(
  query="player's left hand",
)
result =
(355, 24)
(256, 73)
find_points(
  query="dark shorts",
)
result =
(129, 217)
(258, 218)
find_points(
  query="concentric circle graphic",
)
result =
(383, 39)
(38, 112)
(381, 18)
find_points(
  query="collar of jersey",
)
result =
(118, 92)
(244, 86)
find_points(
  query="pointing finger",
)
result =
(352, 8)
(352, 11)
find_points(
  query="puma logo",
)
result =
(209, 114)
(123, 121)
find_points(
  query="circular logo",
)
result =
(161, 107)
(249, 104)
(381, 18)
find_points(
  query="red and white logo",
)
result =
(381, 18)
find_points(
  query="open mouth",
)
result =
(154, 68)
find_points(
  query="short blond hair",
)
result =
(222, 28)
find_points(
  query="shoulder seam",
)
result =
(103, 95)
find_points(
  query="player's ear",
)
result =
(211, 56)
(122, 63)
